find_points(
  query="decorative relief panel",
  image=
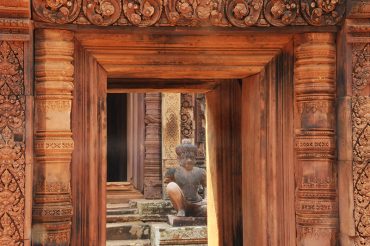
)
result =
(171, 130)
(316, 171)
(12, 144)
(152, 142)
(361, 141)
(239, 13)
(200, 128)
(187, 116)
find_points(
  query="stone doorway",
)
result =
(250, 125)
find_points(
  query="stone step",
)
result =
(164, 234)
(144, 242)
(128, 231)
(122, 211)
(113, 218)
(152, 207)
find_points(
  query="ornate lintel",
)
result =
(239, 13)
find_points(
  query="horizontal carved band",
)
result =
(240, 13)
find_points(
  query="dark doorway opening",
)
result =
(117, 137)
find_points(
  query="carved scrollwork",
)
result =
(242, 13)
(12, 143)
(102, 12)
(57, 11)
(322, 12)
(281, 12)
(361, 163)
(361, 67)
(142, 12)
(193, 12)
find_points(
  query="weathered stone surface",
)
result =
(150, 207)
(177, 221)
(164, 234)
(127, 231)
(128, 243)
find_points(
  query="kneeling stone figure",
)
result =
(185, 182)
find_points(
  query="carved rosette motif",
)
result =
(53, 143)
(361, 141)
(152, 159)
(196, 12)
(12, 143)
(57, 11)
(316, 191)
(243, 13)
(281, 12)
(240, 13)
(142, 12)
(323, 12)
(102, 12)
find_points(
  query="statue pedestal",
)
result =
(177, 221)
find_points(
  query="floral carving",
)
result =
(361, 141)
(361, 163)
(186, 116)
(322, 12)
(57, 11)
(193, 12)
(143, 12)
(361, 67)
(12, 162)
(281, 12)
(102, 12)
(242, 13)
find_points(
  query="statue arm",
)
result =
(170, 175)
(204, 183)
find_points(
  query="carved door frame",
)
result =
(102, 54)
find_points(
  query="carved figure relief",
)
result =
(240, 13)
(361, 141)
(322, 12)
(143, 12)
(195, 12)
(102, 12)
(12, 143)
(281, 12)
(57, 11)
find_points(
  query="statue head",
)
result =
(186, 153)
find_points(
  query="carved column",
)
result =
(315, 88)
(52, 208)
(171, 130)
(16, 112)
(152, 149)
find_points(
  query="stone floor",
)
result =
(144, 222)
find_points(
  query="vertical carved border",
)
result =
(52, 204)
(16, 116)
(316, 175)
(171, 130)
(12, 143)
(152, 149)
(187, 116)
(200, 128)
(361, 140)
